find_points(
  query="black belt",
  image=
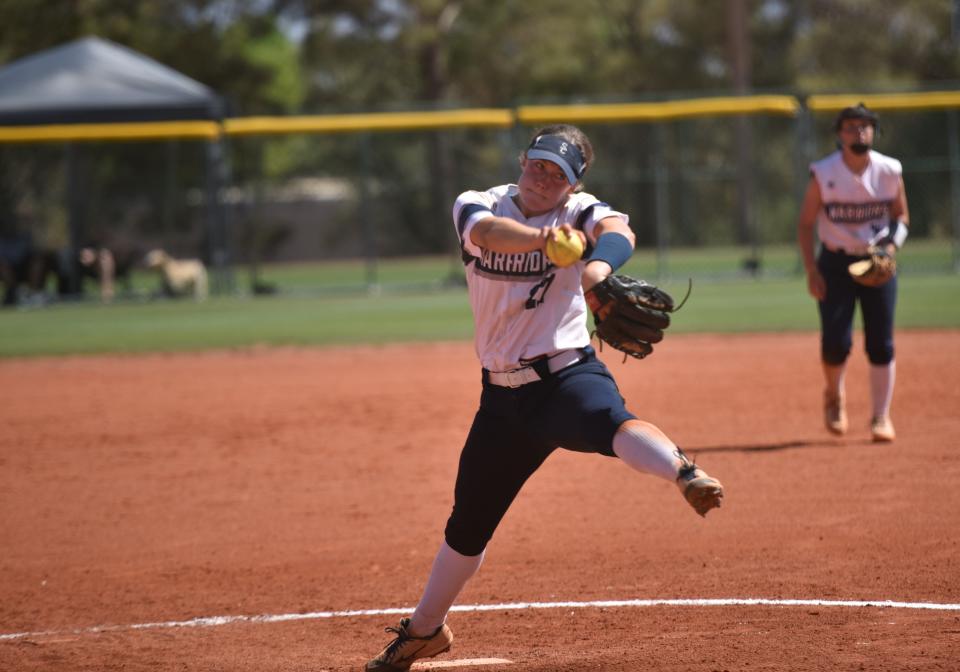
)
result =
(840, 250)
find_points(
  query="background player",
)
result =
(543, 386)
(855, 198)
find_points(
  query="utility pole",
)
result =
(955, 22)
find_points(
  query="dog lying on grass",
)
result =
(181, 277)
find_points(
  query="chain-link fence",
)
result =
(291, 190)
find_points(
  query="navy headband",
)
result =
(561, 152)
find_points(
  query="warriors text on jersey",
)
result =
(856, 208)
(523, 305)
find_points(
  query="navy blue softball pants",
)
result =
(577, 408)
(877, 306)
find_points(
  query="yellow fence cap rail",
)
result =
(384, 121)
(659, 111)
(478, 118)
(148, 130)
(926, 100)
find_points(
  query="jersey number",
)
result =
(538, 292)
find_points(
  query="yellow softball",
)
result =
(564, 250)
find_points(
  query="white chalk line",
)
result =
(462, 662)
(214, 621)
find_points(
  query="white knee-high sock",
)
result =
(645, 448)
(882, 378)
(449, 575)
(834, 374)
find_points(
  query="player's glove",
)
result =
(629, 315)
(876, 270)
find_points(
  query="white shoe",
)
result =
(882, 429)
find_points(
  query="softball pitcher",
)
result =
(856, 200)
(543, 386)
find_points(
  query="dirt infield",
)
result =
(140, 493)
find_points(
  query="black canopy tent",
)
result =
(93, 89)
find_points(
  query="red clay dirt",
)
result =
(140, 491)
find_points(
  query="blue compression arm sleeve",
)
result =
(613, 248)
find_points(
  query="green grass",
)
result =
(233, 322)
(925, 301)
(325, 304)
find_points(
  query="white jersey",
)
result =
(523, 305)
(856, 208)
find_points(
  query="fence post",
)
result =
(803, 155)
(661, 198)
(75, 222)
(218, 243)
(366, 217)
(953, 126)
